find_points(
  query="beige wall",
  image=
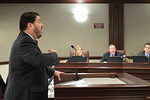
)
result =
(60, 28)
(4, 71)
(136, 27)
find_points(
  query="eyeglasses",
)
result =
(147, 47)
(112, 48)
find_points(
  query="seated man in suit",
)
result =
(146, 51)
(112, 52)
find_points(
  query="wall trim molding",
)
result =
(73, 1)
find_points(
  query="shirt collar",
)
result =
(112, 54)
(147, 54)
(30, 35)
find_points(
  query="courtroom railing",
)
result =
(65, 58)
(4, 62)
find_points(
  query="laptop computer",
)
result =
(140, 59)
(115, 59)
(77, 59)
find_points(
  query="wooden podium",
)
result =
(140, 70)
(133, 88)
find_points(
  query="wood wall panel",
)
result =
(116, 34)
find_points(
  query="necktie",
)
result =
(36, 42)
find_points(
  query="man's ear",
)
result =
(29, 25)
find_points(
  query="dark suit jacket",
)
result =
(28, 70)
(2, 85)
(107, 55)
(142, 53)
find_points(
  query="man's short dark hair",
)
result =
(146, 44)
(28, 17)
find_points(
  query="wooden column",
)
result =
(116, 28)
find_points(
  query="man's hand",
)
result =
(58, 73)
(51, 50)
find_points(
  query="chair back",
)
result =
(122, 51)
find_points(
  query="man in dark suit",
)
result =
(146, 51)
(112, 52)
(28, 66)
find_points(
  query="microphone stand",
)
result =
(75, 66)
(76, 70)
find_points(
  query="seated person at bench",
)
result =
(79, 51)
(146, 51)
(79, 55)
(111, 52)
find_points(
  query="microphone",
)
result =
(76, 70)
(74, 49)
